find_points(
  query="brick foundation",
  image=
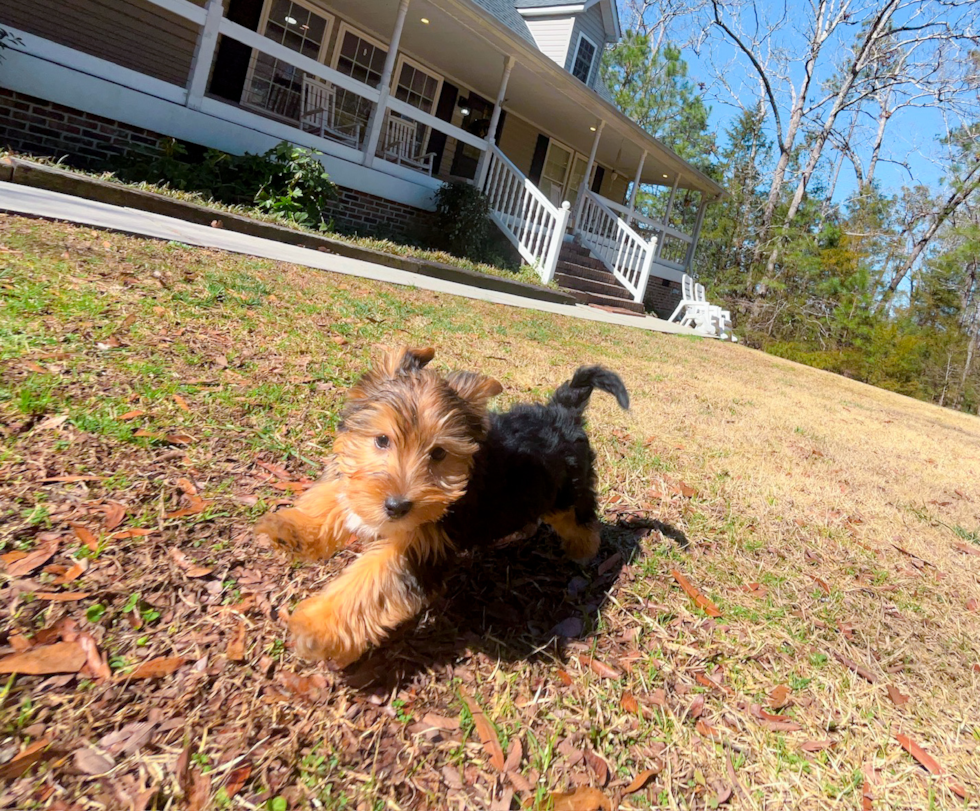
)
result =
(359, 212)
(33, 126)
(662, 296)
(36, 127)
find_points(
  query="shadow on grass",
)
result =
(521, 602)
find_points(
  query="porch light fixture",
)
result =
(291, 21)
(665, 177)
(425, 21)
(591, 129)
(465, 107)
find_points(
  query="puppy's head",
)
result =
(407, 440)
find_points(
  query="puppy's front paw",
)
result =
(319, 632)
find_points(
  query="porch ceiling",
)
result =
(465, 42)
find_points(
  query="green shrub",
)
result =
(287, 180)
(463, 226)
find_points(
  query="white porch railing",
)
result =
(673, 245)
(528, 219)
(623, 251)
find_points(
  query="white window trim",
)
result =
(595, 55)
(263, 22)
(343, 29)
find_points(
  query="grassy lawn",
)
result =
(156, 399)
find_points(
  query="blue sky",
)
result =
(911, 135)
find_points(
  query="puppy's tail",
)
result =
(574, 395)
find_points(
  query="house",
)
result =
(399, 95)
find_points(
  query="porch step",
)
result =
(585, 271)
(579, 255)
(610, 288)
(616, 305)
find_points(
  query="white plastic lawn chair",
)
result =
(690, 312)
(400, 144)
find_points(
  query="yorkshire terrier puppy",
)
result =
(422, 470)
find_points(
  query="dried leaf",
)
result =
(928, 761)
(967, 549)
(90, 762)
(196, 505)
(18, 765)
(598, 765)
(867, 798)
(564, 678)
(32, 560)
(514, 756)
(61, 596)
(644, 777)
(237, 779)
(86, 537)
(863, 672)
(179, 439)
(584, 798)
(699, 599)
(824, 587)
(697, 706)
(130, 415)
(114, 514)
(629, 703)
(487, 733)
(756, 590)
(61, 657)
(779, 697)
(157, 668)
(236, 645)
(601, 669)
(610, 563)
(707, 731)
(182, 403)
(440, 722)
(95, 662)
(777, 723)
(73, 573)
(896, 696)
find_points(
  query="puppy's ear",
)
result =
(404, 360)
(475, 389)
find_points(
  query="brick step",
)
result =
(585, 271)
(603, 288)
(584, 259)
(615, 304)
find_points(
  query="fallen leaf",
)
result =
(709, 607)
(61, 596)
(599, 766)
(340, 340)
(61, 657)
(182, 403)
(187, 486)
(966, 549)
(600, 668)
(136, 532)
(73, 573)
(32, 560)
(236, 645)
(863, 672)
(237, 779)
(487, 733)
(779, 697)
(896, 696)
(610, 563)
(867, 798)
(95, 662)
(972, 604)
(179, 439)
(196, 506)
(514, 756)
(157, 668)
(697, 706)
(777, 723)
(142, 432)
(190, 568)
(276, 470)
(18, 765)
(440, 722)
(566, 679)
(52, 422)
(130, 415)
(114, 514)
(707, 731)
(90, 762)
(197, 799)
(584, 798)
(756, 590)
(86, 537)
(928, 761)
(66, 479)
(686, 490)
(629, 703)
(817, 746)
(822, 583)
(644, 777)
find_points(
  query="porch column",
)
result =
(376, 120)
(481, 169)
(636, 182)
(696, 235)
(204, 48)
(588, 169)
(666, 219)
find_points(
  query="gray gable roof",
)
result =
(506, 12)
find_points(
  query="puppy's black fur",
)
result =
(536, 459)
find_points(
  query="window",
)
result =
(584, 57)
(555, 172)
(277, 86)
(361, 58)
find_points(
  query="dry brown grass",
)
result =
(847, 506)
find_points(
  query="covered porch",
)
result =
(403, 96)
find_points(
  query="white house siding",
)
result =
(614, 188)
(552, 35)
(132, 33)
(589, 22)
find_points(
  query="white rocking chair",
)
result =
(401, 136)
(320, 113)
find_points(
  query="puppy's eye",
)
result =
(381, 441)
(437, 454)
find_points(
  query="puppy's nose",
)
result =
(397, 506)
